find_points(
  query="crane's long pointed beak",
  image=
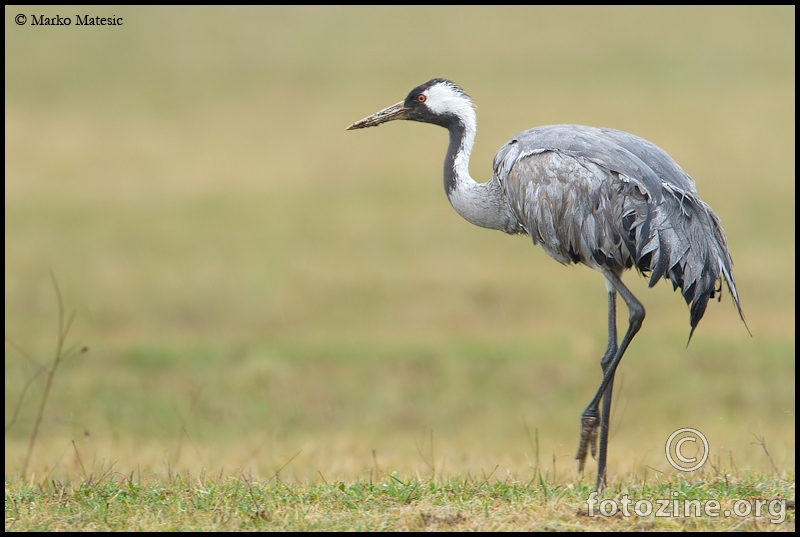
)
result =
(396, 111)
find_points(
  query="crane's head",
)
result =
(437, 101)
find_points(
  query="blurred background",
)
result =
(256, 286)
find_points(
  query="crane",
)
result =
(599, 197)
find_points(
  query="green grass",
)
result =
(188, 502)
(256, 285)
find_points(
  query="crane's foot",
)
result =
(590, 424)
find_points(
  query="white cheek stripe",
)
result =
(442, 99)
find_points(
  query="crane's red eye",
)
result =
(421, 98)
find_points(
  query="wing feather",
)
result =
(609, 199)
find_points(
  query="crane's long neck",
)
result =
(482, 204)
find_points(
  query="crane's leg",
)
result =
(605, 361)
(590, 420)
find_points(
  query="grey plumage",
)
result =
(599, 197)
(607, 198)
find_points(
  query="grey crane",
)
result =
(599, 197)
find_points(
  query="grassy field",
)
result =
(285, 319)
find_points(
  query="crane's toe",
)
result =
(590, 424)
